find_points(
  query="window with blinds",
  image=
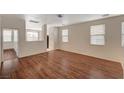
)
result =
(7, 35)
(34, 35)
(65, 35)
(97, 35)
(10, 35)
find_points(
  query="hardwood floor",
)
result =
(59, 64)
(10, 63)
(9, 54)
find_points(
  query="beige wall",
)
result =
(25, 48)
(79, 39)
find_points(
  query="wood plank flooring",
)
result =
(10, 63)
(60, 64)
(9, 54)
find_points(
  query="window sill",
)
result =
(35, 41)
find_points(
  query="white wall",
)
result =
(25, 48)
(56, 38)
(8, 45)
(0, 42)
(79, 39)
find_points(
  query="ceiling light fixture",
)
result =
(59, 15)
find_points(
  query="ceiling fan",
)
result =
(59, 15)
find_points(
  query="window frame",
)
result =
(122, 34)
(122, 40)
(67, 36)
(12, 34)
(40, 38)
(98, 35)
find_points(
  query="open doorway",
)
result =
(10, 44)
(47, 41)
(50, 37)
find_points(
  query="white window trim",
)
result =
(98, 35)
(31, 30)
(122, 34)
(12, 38)
(65, 36)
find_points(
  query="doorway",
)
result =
(50, 38)
(9, 52)
(10, 44)
(47, 41)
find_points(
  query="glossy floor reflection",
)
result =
(59, 64)
(10, 63)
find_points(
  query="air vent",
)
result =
(33, 21)
(105, 15)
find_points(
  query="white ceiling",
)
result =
(53, 20)
(67, 19)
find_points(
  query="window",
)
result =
(7, 35)
(122, 34)
(65, 35)
(97, 34)
(33, 35)
(10, 35)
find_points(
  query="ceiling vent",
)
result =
(105, 15)
(33, 21)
